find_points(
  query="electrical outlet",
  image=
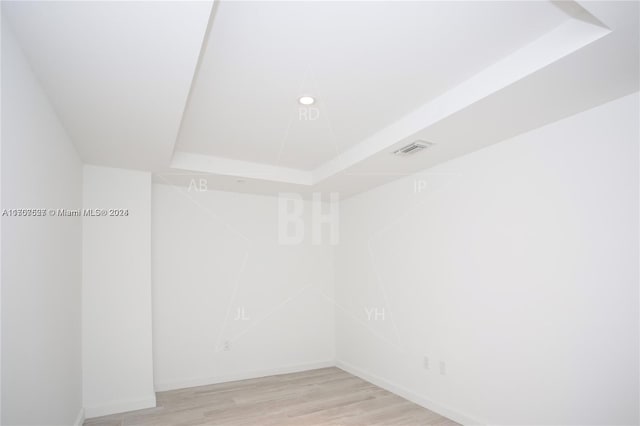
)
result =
(425, 362)
(443, 368)
(226, 346)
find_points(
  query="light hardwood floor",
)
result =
(328, 396)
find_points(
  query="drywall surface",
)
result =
(116, 292)
(230, 300)
(41, 256)
(512, 270)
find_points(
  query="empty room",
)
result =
(333, 213)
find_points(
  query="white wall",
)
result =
(41, 256)
(116, 293)
(517, 266)
(214, 252)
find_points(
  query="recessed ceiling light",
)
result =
(306, 100)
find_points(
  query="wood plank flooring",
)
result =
(328, 396)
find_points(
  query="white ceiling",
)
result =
(368, 64)
(118, 73)
(186, 90)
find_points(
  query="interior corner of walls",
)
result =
(80, 418)
(446, 411)
(116, 407)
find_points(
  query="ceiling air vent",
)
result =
(413, 148)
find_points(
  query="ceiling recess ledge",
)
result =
(237, 168)
(575, 33)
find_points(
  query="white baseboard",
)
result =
(441, 409)
(188, 383)
(79, 418)
(119, 407)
